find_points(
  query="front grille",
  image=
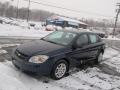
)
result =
(20, 55)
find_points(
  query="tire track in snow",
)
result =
(69, 83)
(66, 83)
(94, 87)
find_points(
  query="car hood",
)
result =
(38, 47)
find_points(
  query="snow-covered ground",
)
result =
(88, 79)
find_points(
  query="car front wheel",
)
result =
(99, 58)
(59, 69)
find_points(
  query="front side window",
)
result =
(56, 35)
(82, 40)
(93, 38)
(60, 37)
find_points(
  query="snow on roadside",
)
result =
(8, 45)
(112, 38)
(2, 51)
(15, 31)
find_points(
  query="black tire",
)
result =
(55, 69)
(99, 58)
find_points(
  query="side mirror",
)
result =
(75, 46)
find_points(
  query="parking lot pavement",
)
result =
(105, 76)
(7, 45)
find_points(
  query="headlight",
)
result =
(38, 59)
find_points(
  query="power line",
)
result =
(77, 11)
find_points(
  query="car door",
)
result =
(81, 53)
(95, 45)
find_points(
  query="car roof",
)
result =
(77, 31)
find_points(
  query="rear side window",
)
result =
(93, 38)
(82, 40)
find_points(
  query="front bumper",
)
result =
(42, 69)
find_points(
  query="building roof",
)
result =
(60, 18)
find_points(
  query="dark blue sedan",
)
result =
(56, 53)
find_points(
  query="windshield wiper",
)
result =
(52, 42)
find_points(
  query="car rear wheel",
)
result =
(99, 58)
(59, 69)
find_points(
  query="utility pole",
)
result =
(28, 11)
(116, 19)
(17, 9)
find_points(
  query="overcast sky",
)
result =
(87, 8)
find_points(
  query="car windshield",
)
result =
(60, 37)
